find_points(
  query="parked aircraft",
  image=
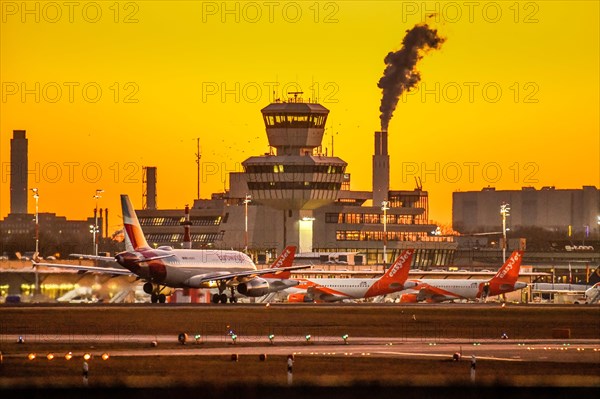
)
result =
(337, 289)
(439, 290)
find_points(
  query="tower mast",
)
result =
(198, 156)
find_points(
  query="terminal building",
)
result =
(296, 195)
(548, 208)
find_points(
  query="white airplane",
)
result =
(165, 267)
(338, 289)
(439, 290)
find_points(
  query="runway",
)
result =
(328, 346)
(385, 344)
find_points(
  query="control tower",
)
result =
(294, 176)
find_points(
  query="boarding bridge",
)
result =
(84, 293)
(121, 296)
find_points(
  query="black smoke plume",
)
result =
(400, 73)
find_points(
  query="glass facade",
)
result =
(373, 218)
(270, 168)
(358, 235)
(283, 120)
(178, 220)
(163, 238)
(293, 185)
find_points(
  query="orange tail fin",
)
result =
(509, 272)
(398, 271)
(284, 260)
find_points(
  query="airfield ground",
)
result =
(388, 346)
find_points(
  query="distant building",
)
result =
(57, 234)
(548, 208)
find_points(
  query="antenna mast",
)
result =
(198, 156)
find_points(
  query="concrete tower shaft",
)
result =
(18, 172)
(381, 169)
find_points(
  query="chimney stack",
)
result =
(18, 172)
(187, 238)
(381, 169)
(149, 187)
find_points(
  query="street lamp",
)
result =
(385, 208)
(504, 211)
(36, 195)
(95, 231)
(246, 202)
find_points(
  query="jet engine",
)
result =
(254, 288)
(295, 298)
(408, 298)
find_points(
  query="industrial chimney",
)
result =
(187, 238)
(18, 172)
(149, 187)
(381, 169)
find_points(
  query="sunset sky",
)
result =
(510, 100)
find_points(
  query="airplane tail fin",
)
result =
(395, 277)
(133, 230)
(398, 271)
(284, 260)
(509, 272)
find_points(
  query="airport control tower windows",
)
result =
(295, 121)
(294, 185)
(327, 169)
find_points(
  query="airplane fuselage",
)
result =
(346, 288)
(178, 267)
(448, 289)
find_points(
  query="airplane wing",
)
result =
(240, 277)
(93, 257)
(434, 294)
(93, 269)
(321, 293)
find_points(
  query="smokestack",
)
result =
(400, 73)
(149, 187)
(381, 169)
(18, 172)
(106, 223)
(100, 223)
(187, 238)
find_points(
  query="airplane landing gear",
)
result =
(221, 297)
(232, 298)
(156, 296)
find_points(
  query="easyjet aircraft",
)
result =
(337, 289)
(193, 268)
(438, 290)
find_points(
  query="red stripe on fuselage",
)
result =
(157, 271)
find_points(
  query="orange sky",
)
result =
(104, 90)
